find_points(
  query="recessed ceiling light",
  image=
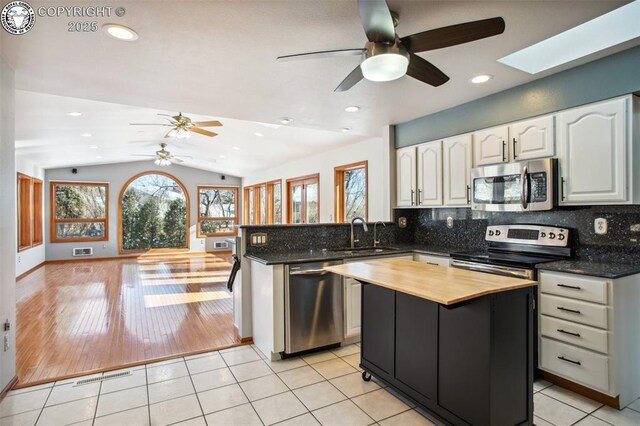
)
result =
(236, 148)
(98, 156)
(286, 120)
(345, 129)
(86, 135)
(120, 32)
(222, 156)
(482, 78)
(258, 134)
(94, 147)
(74, 114)
(352, 108)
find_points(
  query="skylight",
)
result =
(610, 29)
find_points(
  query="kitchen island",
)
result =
(458, 343)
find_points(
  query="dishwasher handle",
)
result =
(310, 272)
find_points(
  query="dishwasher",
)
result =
(314, 314)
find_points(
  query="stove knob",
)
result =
(491, 233)
(497, 233)
(561, 237)
(552, 235)
(542, 235)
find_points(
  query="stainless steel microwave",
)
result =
(514, 187)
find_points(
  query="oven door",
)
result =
(514, 187)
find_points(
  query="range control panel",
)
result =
(528, 234)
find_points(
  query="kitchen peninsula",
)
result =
(459, 343)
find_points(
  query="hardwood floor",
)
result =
(95, 315)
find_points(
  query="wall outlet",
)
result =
(600, 226)
(259, 239)
(635, 227)
(449, 222)
(402, 222)
(6, 343)
(19, 259)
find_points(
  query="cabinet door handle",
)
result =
(573, 287)
(514, 148)
(412, 192)
(569, 360)
(573, 311)
(570, 333)
(504, 149)
(468, 194)
(418, 200)
(562, 181)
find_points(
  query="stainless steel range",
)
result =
(514, 250)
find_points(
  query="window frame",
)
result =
(338, 184)
(188, 222)
(304, 181)
(54, 221)
(235, 218)
(258, 189)
(30, 214)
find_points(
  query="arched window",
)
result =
(154, 214)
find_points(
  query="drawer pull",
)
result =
(573, 287)
(573, 311)
(569, 360)
(568, 332)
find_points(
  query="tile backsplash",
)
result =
(620, 244)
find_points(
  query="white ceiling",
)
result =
(217, 59)
(46, 135)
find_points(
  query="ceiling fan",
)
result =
(163, 157)
(182, 126)
(386, 56)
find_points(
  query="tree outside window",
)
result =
(155, 214)
(217, 211)
(80, 212)
(351, 191)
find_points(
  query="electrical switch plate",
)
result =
(402, 222)
(600, 226)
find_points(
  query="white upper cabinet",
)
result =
(457, 170)
(490, 146)
(429, 191)
(406, 176)
(594, 153)
(532, 138)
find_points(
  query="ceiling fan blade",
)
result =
(453, 35)
(354, 77)
(150, 124)
(202, 131)
(376, 20)
(214, 123)
(142, 155)
(176, 159)
(321, 54)
(425, 71)
(167, 135)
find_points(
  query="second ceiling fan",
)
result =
(386, 56)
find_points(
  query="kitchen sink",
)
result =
(363, 250)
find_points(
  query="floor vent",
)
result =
(103, 378)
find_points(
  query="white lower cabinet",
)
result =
(589, 332)
(352, 292)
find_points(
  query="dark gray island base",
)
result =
(470, 363)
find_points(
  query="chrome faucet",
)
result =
(376, 241)
(364, 225)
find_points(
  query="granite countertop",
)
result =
(436, 283)
(318, 255)
(596, 269)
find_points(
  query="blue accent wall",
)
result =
(614, 75)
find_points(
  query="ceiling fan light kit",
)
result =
(384, 62)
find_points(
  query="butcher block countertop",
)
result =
(441, 284)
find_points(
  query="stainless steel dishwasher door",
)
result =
(313, 307)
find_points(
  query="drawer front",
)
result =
(574, 286)
(574, 310)
(433, 260)
(578, 365)
(576, 334)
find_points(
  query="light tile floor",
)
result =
(238, 386)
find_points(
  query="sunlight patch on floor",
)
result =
(158, 300)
